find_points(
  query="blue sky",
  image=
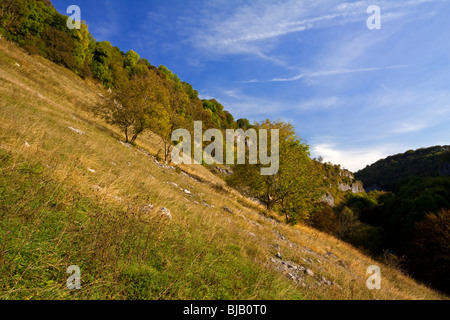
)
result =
(354, 95)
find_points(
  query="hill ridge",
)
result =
(422, 162)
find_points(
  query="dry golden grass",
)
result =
(40, 100)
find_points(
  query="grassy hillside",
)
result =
(72, 194)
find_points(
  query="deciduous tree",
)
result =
(294, 189)
(137, 106)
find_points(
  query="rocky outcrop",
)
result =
(225, 170)
(328, 199)
(338, 181)
(346, 173)
(355, 187)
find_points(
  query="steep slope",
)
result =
(72, 194)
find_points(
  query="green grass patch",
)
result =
(47, 226)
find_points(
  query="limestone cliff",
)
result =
(338, 182)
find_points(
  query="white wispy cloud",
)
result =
(255, 27)
(346, 71)
(418, 111)
(408, 127)
(248, 106)
(318, 103)
(109, 24)
(327, 73)
(352, 159)
(258, 108)
(358, 6)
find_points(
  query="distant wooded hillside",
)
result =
(387, 173)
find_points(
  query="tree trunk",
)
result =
(136, 135)
(126, 134)
(165, 150)
(168, 157)
(268, 201)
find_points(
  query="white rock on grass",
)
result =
(97, 188)
(227, 209)
(124, 144)
(309, 272)
(165, 212)
(91, 170)
(205, 204)
(76, 130)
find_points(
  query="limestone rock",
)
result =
(165, 212)
(76, 130)
(227, 209)
(328, 199)
(97, 188)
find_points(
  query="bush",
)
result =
(429, 251)
(59, 48)
(368, 237)
(325, 220)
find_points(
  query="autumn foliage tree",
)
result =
(136, 107)
(429, 251)
(60, 47)
(294, 189)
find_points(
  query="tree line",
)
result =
(145, 97)
(40, 29)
